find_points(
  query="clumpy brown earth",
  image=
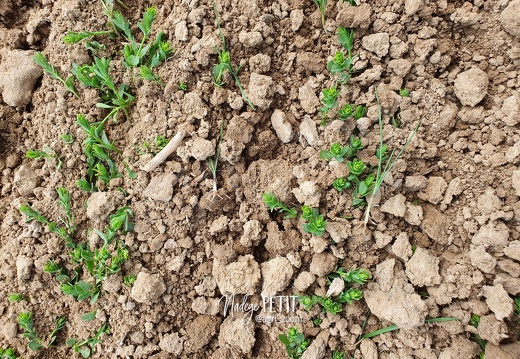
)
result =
(444, 241)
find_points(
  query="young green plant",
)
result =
(322, 6)
(224, 58)
(87, 347)
(46, 153)
(275, 204)
(26, 323)
(41, 61)
(390, 160)
(294, 342)
(212, 162)
(8, 353)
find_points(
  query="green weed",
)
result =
(58, 325)
(316, 222)
(388, 160)
(404, 92)
(274, 204)
(41, 61)
(87, 317)
(322, 6)
(329, 101)
(129, 280)
(395, 327)
(224, 59)
(294, 342)
(212, 162)
(337, 354)
(339, 153)
(183, 86)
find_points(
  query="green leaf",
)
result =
(133, 60)
(71, 341)
(87, 317)
(146, 24)
(35, 345)
(121, 25)
(84, 351)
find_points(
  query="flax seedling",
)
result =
(8, 353)
(67, 138)
(275, 204)
(26, 323)
(58, 325)
(389, 161)
(294, 342)
(32, 214)
(212, 162)
(41, 61)
(224, 58)
(114, 98)
(322, 6)
(97, 148)
(46, 153)
(88, 346)
(17, 297)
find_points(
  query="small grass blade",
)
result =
(395, 327)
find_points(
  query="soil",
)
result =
(444, 242)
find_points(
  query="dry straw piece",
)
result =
(165, 152)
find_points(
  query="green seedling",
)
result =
(81, 290)
(68, 138)
(87, 317)
(97, 148)
(114, 98)
(322, 6)
(26, 323)
(129, 280)
(41, 61)
(474, 321)
(63, 233)
(224, 59)
(404, 92)
(345, 112)
(396, 121)
(339, 355)
(341, 183)
(17, 297)
(64, 202)
(8, 353)
(183, 86)
(339, 153)
(346, 39)
(329, 100)
(58, 325)
(316, 321)
(212, 162)
(390, 161)
(46, 153)
(342, 66)
(394, 327)
(73, 37)
(316, 222)
(358, 275)
(274, 204)
(154, 146)
(131, 174)
(52, 268)
(360, 112)
(357, 167)
(88, 346)
(294, 342)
